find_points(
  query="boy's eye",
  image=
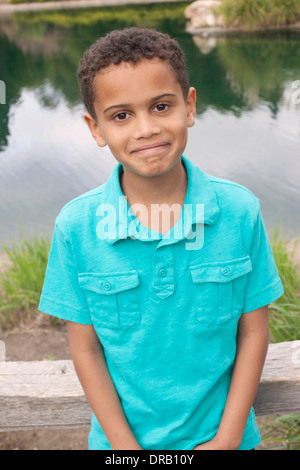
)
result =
(121, 116)
(161, 107)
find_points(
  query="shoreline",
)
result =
(231, 31)
(6, 7)
(206, 32)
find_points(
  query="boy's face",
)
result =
(142, 116)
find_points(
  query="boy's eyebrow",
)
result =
(159, 97)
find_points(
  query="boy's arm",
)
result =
(252, 345)
(90, 366)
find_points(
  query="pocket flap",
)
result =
(108, 283)
(224, 271)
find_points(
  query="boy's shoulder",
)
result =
(232, 189)
(221, 192)
(81, 207)
(235, 197)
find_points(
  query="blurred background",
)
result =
(247, 127)
(243, 59)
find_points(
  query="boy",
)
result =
(166, 304)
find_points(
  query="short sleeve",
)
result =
(264, 284)
(61, 295)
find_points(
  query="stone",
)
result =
(201, 15)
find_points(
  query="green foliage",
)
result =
(248, 13)
(251, 14)
(283, 432)
(151, 15)
(21, 283)
(31, 1)
(284, 12)
(285, 312)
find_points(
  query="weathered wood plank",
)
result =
(47, 394)
(41, 394)
(279, 388)
(42, 413)
(39, 379)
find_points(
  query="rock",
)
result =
(202, 16)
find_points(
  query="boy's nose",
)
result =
(145, 127)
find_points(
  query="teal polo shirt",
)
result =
(165, 308)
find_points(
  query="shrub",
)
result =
(252, 14)
(21, 283)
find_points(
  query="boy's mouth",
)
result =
(155, 147)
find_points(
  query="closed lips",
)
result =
(152, 146)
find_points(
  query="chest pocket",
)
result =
(112, 298)
(219, 289)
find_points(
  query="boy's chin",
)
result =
(152, 168)
(148, 173)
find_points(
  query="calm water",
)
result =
(247, 129)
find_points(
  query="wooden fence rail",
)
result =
(47, 394)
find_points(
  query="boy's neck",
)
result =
(145, 193)
(169, 188)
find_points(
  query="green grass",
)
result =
(284, 12)
(150, 15)
(21, 283)
(246, 13)
(252, 14)
(283, 432)
(285, 312)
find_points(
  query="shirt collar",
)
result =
(118, 221)
(201, 190)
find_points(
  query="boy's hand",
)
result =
(91, 369)
(252, 345)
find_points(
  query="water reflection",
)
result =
(50, 158)
(247, 126)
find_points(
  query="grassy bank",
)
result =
(252, 14)
(22, 279)
(283, 432)
(106, 3)
(285, 312)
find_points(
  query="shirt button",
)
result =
(225, 271)
(162, 272)
(107, 285)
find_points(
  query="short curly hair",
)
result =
(129, 45)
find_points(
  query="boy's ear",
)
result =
(191, 106)
(95, 129)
